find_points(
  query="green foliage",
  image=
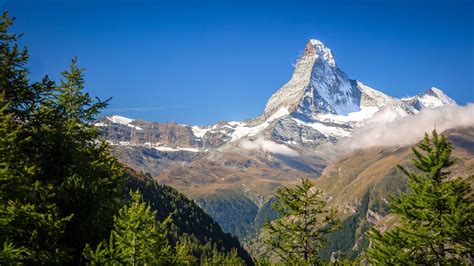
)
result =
(184, 253)
(265, 214)
(216, 258)
(350, 239)
(60, 185)
(234, 212)
(12, 255)
(89, 180)
(31, 226)
(189, 222)
(137, 239)
(13, 73)
(436, 214)
(303, 224)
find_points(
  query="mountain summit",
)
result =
(431, 98)
(319, 103)
(317, 48)
(232, 169)
(317, 86)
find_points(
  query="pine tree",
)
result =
(215, 258)
(21, 98)
(436, 214)
(184, 252)
(14, 87)
(89, 180)
(137, 239)
(55, 165)
(31, 225)
(303, 224)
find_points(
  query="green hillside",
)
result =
(187, 217)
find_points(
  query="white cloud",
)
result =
(389, 128)
(267, 146)
(142, 108)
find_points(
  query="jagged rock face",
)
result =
(288, 130)
(431, 98)
(162, 136)
(317, 86)
(319, 105)
(216, 139)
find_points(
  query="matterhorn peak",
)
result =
(317, 48)
(316, 86)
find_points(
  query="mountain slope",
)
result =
(187, 217)
(317, 86)
(359, 185)
(431, 98)
(319, 104)
(232, 169)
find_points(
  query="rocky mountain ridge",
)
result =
(320, 103)
(232, 169)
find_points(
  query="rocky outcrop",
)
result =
(287, 130)
(316, 108)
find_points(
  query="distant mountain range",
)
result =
(232, 169)
(319, 103)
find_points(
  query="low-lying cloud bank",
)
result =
(267, 146)
(389, 128)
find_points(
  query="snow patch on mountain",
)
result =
(171, 149)
(328, 131)
(330, 91)
(117, 119)
(431, 98)
(201, 131)
(372, 97)
(354, 117)
(242, 130)
(156, 146)
(316, 86)
(320, 103)
(435, 97)
(320, 50)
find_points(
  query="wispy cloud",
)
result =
(138, 109)
(267, 146)
(387, 128)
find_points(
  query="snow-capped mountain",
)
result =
(431, 98)
(319, 103)
(232, 169)
(317, 86)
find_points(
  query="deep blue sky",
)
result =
(199, 62)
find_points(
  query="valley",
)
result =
(307, 130)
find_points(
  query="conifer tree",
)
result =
(14, 87)
(215, 258)
(137, 239)
(60, 169)
(184, 253)
(31, 225)
(89, 180)
(303, 224)
(436, 214)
